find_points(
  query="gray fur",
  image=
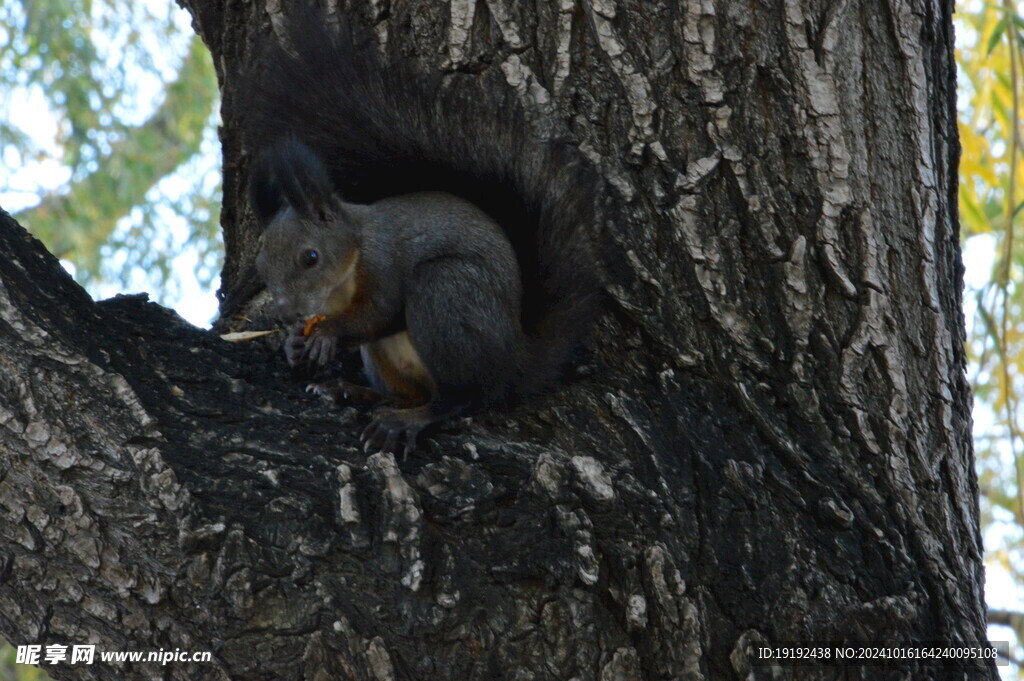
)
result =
(429, 263)
(472, 236)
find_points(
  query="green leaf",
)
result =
(997, 33)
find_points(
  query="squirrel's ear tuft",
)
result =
(264, 194)
(290, 173)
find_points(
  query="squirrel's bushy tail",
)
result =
(383, 131)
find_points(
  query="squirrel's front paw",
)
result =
(339, 390)
(320, 349)
(295, 345)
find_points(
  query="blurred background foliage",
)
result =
(990, 45)
(10, 670)
(108, 114)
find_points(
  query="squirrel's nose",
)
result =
(285, 312)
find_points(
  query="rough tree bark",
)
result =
(771, 442)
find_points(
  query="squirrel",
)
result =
(422, 222)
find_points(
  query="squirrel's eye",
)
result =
(309, 258)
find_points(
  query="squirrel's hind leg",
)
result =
(390, 426)
(462, 316)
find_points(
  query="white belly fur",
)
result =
(393, 365)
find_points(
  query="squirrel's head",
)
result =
(310, 237)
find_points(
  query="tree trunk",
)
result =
(771, 442)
